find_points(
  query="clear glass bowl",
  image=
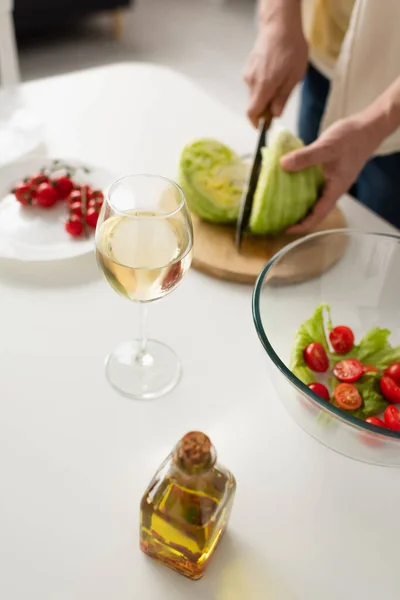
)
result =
(358, 275)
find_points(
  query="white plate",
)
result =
(36, 234)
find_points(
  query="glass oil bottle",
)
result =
(185, 510)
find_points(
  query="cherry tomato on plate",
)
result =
(390, 389)
(375, 421)
(92, 217)
(348, 370)
(98, 196)
(392, 418)
(46, 195)
(37, 179)
(347, 396)
(76, 208)
(88, 190)
(394, 372)
(342, 339)
(316, 358)
(320, 389)
(74, 226)
(75, 196)
(64, 186)
(23, 193)
(370, 369)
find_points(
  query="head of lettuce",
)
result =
(213, 177)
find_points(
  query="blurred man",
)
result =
(350, 100)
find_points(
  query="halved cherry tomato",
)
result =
(98, 196)
(370, 369)
(37, 179)
(23, 193)
(394, 372)
(316, 357)
(74, 226)
(320, 389)
(46, 195)
(75, 196)
(92, 217)
(64, 186)
(347, 396)
(88, 190)
(390, 389)
(348, 370)
(375, 421)
(342, 339)
(392, 418)
(76, 208)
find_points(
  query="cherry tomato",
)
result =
(348, 370)
(370, 369)
(98, 196)
(75, 196)
(320, 389)
(88, 190)
(37, 179)
(342, 339)
(394, 372)
(74, 226)
(23, 193)
(347, 396)
(96, 201)
(64, 186)
(76, 208)
(375, 421)
(392, 417)
(92, 217)
(390, 389)
(46, 195)
(316, 357)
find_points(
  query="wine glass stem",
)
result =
(143, 329)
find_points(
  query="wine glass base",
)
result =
(143, 375)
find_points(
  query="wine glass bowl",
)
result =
(144, 240)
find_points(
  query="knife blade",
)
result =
(246, 203)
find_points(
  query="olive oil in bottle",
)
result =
(186, 508)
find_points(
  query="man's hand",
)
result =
(342, 151)
(278, 60)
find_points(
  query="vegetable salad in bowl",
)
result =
(333, 340)
(362, 378)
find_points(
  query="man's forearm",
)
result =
(289, 10)
(383, 115)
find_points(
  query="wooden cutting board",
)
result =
(215, 253)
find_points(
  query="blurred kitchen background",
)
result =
(207, 40)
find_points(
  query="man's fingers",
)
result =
(280, 99)
(259, 100)
(321, 209)
(314, 154)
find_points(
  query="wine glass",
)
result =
(144, 240)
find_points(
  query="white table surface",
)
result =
(75, 457)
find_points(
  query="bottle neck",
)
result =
(193, 468)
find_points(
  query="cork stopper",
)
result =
(194, 451)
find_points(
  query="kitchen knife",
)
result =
(251, 183)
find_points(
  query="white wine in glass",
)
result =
(144, 240)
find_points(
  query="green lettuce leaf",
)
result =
(373, 401)
(212, 177)
(312, 330)
(374, 349)
(282, 198)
